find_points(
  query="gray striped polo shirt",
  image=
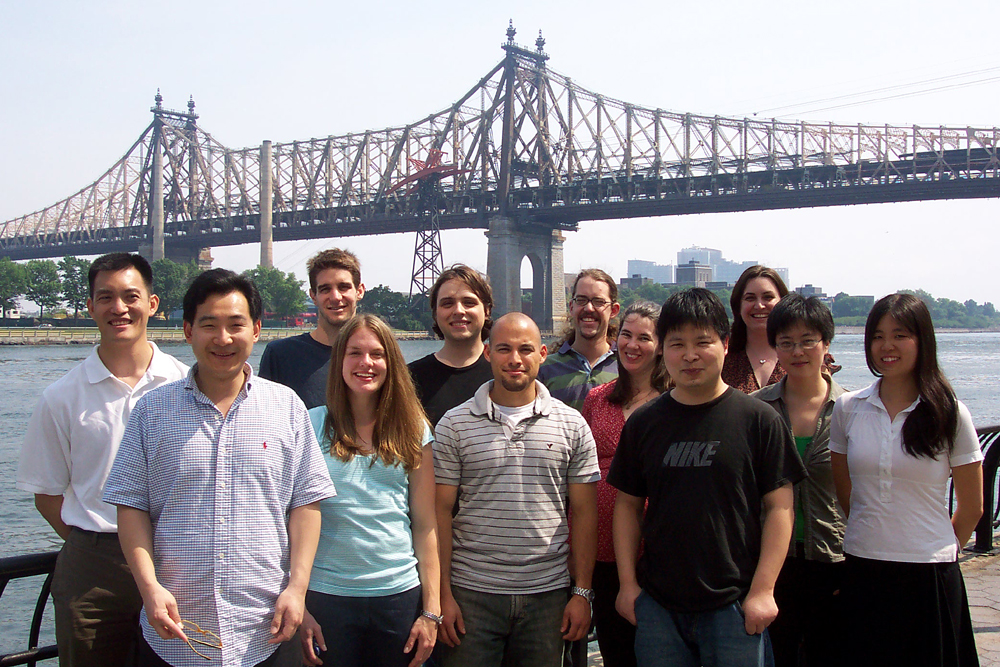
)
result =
(511, 534)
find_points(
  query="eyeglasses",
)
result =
(210, 640)
(597, 302)
(789, 346)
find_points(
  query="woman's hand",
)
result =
(423, 634)
(311, 635)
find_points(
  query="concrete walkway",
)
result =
(982, 580)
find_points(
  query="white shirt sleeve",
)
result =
(45, 457)
(967, 449)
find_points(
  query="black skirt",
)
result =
(913, 614)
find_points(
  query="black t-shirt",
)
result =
(299, 362)
(704, 469)
(442, 387)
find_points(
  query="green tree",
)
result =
(13, 281)
(43, 284)
(75, 284)
(170, 281)
(281, 292)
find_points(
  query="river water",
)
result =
(971, 361)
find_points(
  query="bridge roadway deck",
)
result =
(982, 580)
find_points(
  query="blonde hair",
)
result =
(400, 422)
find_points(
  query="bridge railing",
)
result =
(19, 567)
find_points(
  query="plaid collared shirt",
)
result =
(218, 491)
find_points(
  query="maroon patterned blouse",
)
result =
(737, 372)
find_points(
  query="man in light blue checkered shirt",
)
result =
(218, 481)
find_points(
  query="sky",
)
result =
(77, 80)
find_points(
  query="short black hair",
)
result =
(796, 309)
(120, 261)
(697, 306)
(220, 281)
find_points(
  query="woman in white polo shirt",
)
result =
(374, 596)
(895, 445)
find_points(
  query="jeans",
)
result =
(365, 632)
(694, 639)
(508, 630)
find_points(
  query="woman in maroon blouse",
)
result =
(751, 362)
(641, 378)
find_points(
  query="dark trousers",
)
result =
(615, 635)
(809, 630)
(288, 654)
(96, 602)
(365, 632)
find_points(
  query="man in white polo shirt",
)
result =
(512, 455)
(68, 449)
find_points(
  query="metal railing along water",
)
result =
(19, 567)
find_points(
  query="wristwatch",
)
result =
(586, 593)
(434, 617)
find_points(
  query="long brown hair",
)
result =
(738, 332)
(930, 428)
(622, 391)
(400, 422)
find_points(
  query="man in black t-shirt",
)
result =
(461, 301)
(717, 469)
(301, 362)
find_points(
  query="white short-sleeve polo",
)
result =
(74, 433)
(899, 503)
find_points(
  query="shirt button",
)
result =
(221, 557)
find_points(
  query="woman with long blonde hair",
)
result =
(374, 592)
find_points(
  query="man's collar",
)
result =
(483, 405)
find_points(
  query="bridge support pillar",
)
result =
(509, 244)
(266, 207)
(156, 194)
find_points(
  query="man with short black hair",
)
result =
(218, 481)
(585, 356)
(301, 362)
(716, 467)
(69, 446)
(461, 302)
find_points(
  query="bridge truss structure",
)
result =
(528, 144)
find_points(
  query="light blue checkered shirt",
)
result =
(218, 491)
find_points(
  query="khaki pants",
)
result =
(97, 604)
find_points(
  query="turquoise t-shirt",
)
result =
(365, 544)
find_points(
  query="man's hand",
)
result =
(289, 611)
(625, 602)
(161, 611)
(423, 635)
(311, 634)
(576, 618)
(759, 611)
(453, 624)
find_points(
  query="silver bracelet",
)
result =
(434, 617)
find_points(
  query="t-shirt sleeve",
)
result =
(44, 466)
(266, 368)
(128, 481)
(428, 435)
(779, 462)
(838, 428)
(583, 468)
(312, 478)
(447, 462)
(966, 449)
(625, 473)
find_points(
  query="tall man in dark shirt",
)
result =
(301, 362)
(461, 302)
(717, 469)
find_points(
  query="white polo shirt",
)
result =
(899, 503)
(74, 433)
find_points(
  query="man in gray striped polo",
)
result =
(512, 455)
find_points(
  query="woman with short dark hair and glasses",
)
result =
(895, 446)
(808, 628)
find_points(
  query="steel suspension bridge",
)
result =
(526, 153)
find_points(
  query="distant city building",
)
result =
(634, 282)
(808, 290)
(694, 274)
(716, 285)
(662, 274)
(723, 270)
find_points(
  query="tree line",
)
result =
(52, 285)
